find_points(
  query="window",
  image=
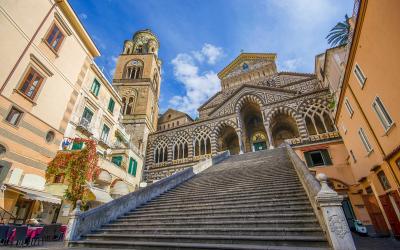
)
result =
(348, 107)
(352, 156)
(383, 180)
(59, 178)
(95, 87)
(177, 123)
(77, 146)
(117, 160)
(364, 140)
(3, 150)
(55, 37)
(382, 113)
(50, 136)
(31, 83)
(132, 166)
(104, 133)
(111, 105)
(318, 158)
(133, 69)
(86, 117)
(14, 116)
(360, 75)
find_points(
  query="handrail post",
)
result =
(330, 204)
(73, 223)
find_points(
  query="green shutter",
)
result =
(326, 157)
(134, 168)
(95, 87)
(308, 159)
(130, 165)
(111, 104)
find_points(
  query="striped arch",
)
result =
(202, 140)
(160, 144)
(290, 112)
(246, 98)
(215, 133)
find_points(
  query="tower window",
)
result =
(133, 70)
(139, 49)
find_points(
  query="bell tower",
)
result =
(137, 79)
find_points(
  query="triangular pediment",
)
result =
(249, 58)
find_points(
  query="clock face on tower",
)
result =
(245, 67)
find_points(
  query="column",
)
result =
(241, 145)
(269, 134)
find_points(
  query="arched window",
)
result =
(139, 49)
(317, 119)
(180, 149)
(133, 69)
(202, 143)
(129, 106)
(161, 152)
(123, 108)
(155, 81)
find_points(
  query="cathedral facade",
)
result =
(257, 108)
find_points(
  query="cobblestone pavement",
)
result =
(368, 243)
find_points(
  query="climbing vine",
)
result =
(78, 166)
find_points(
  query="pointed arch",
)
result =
(317, 116)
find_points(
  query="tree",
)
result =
(339, 34)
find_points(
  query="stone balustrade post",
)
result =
(241, 145)
(73, 223)
(330, 204)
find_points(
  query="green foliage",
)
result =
(339, 34)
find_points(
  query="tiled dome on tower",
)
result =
(143, 42)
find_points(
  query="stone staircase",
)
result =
(249, 201)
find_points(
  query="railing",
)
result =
(81, 223)
(326, 203)
(6, 217)
(85, 124)
(314, 138)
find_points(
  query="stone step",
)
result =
(237, 189)
(249, 206)
(173, 201)
(214, 239)
(288, 223)
(260, 231)
(180, 246)
(224, 217)
(231, 211)
(231, 202)
(221, 183)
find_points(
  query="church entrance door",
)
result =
(259, 145)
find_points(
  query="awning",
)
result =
(32, 194)
(100, 195)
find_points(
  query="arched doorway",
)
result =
(228, 140)
(283, 127)
(253, 126)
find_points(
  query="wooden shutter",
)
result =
(326, 157)
(308, 159)
(130, 165)
(134, 168)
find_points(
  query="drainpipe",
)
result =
(26, 48)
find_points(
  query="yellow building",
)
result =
(367, 112)
(43, 63)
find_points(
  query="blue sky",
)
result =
(199, 37)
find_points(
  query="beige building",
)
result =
(367, 112)
(43, 63)
(173, 118)
(137, 79)
(97, 116)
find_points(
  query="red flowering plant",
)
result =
(78, 166)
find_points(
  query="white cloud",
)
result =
(290, 64)
(199, 86)
(83, 16)
(212, 53)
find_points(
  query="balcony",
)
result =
(315, 138)
(85, 127)
(118, 171)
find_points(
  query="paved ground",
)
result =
(362, 243)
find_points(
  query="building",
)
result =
(97, 116)
(257, 108)
(137, 79)
(44, 60)
(367, 112)
(173, 118)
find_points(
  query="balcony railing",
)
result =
(84, 126)
(314, 138)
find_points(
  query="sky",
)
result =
(198, 38)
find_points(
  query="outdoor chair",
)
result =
(20, 235)
(58, 235)
(50, 232)
(4, 232)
